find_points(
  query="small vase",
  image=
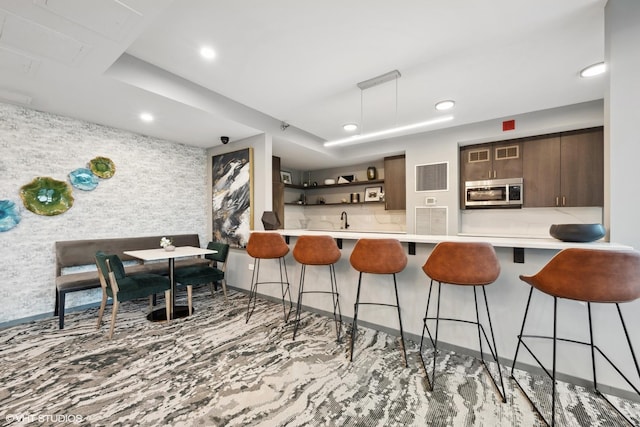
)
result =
(169, 248)
(371, 172)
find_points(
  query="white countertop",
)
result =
(506, 242)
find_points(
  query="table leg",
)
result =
(176, 312)
(172, 300)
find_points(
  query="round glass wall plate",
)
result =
(103, 167)
(83, 179)
(9, 215)
(46, 196)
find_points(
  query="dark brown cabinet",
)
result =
(395, 183)
(277, 188)
(491, 161)
(564, 170)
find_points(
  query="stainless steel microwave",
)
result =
(492, 193)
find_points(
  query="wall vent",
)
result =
(479, 156)
(432, 177)
(505, 153)
(431, 220)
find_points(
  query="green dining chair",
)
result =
(205, 274)
(119, 286)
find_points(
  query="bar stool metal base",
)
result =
(552, 374)
(481, 332)
(337, 315)
(354, 326)
(253, 293)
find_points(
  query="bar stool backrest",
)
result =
(463, 263)
(590, 275)
(316, 250)
(267, 245)
(378, 256)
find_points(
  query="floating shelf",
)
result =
(346, 184)
(335, 204)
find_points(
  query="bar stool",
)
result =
(268, 246)
(591, 276)
(463, 264)
(377, 256)
(318, 250)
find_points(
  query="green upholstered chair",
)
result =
(120, 287)
(203, 274)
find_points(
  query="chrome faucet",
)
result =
(343, 217)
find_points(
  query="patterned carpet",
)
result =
(213, 369)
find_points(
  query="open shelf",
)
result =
(334, 204)
(346, 184)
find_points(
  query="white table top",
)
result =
(160, 253)
(508, 242)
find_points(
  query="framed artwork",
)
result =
(372, 194)
(232, 178)
(286, 177)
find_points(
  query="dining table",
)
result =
(159, 254)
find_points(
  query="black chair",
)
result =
(120, 287)
(591, 276)
(205, 274)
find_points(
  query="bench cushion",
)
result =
(89, 279)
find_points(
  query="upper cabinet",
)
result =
(491, 161)
(565, 170)
(395, 183)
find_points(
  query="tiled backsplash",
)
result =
(361, 217)
(525, 222)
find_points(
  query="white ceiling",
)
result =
(295, 61)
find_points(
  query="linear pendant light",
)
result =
(365, 137)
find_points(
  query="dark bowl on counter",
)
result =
(577, 232)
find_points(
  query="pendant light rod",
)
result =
(383, 78)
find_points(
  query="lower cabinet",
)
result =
(564, 170)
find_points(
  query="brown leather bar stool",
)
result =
(591, 276)
(464, 264)
(323, 251)
(268, 246)
(377, 256)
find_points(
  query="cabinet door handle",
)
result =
(564, 201)
(557, 201)
(494, 173)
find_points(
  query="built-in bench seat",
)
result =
(79, 253)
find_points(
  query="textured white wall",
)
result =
(159, 188)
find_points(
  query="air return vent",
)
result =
(431, 220)
(432, 177)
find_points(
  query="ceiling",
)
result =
(296, 63)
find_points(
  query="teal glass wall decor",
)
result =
(83, 179)
(9, 215)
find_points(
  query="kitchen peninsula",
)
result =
(508, 296)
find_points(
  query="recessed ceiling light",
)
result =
(207, 53)
(445, 105)
(593, 70)
(146, 117)
(350, 127)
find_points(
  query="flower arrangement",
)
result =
(165, 241)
